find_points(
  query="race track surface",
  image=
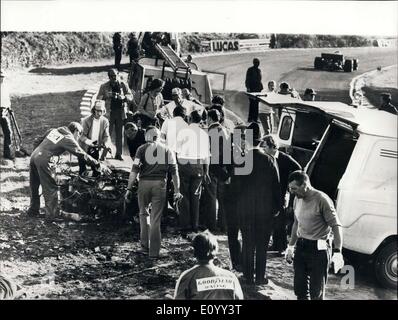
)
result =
(295, 66)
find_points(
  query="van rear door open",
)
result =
(331, 157)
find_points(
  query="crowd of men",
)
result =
(226, 178)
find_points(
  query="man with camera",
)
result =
(5, 118)
(118, 93)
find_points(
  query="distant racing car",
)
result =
(335, 61)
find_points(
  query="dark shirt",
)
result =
(253, 79)
(134, 144)
(218, 142)
(117, 41)
(388, 107)
(153, 161)
(133, 48)
(286, 165)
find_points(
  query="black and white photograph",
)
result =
(198, 150)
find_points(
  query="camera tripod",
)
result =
(17, 138)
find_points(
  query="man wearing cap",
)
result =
(153, 162)
(309, 94)
(5, 118)
(386, 104)
(95, 135)
(253, 84)
(118, 94)
(54, 143)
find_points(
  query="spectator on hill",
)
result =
(117, 47)
(133, 48)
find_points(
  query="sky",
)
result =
(377, 18)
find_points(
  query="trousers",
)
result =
(191, 176)
(40, 174)
(310, 270)
(151, 192)
(253, 110)
(6, 127)
(213, 193)
(254, 247)
(116, 121)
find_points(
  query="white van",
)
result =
(351, 154)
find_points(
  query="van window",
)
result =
(286, 128)
(308, 129)
(382, 162)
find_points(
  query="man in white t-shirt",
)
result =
(193, 165)
(171, 128)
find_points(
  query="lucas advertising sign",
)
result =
(224, 45)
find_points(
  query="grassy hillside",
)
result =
(36, 49)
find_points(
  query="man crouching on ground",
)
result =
(153, 161)
(54, 143)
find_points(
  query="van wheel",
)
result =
(386, 266)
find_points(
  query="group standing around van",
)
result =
(226, 178)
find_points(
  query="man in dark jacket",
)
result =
(133, 48)
(118, 94)
(214, 191)
(286, 165)
(117, 47)
(258, 203)
(253, 84)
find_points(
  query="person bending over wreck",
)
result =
(205, 281)
(54, 143)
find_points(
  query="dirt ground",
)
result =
(93, 259)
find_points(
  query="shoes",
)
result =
(119, 157)
(237, 267)
(54, 219)
(33, 213)
(260, 282)
(245, 281)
